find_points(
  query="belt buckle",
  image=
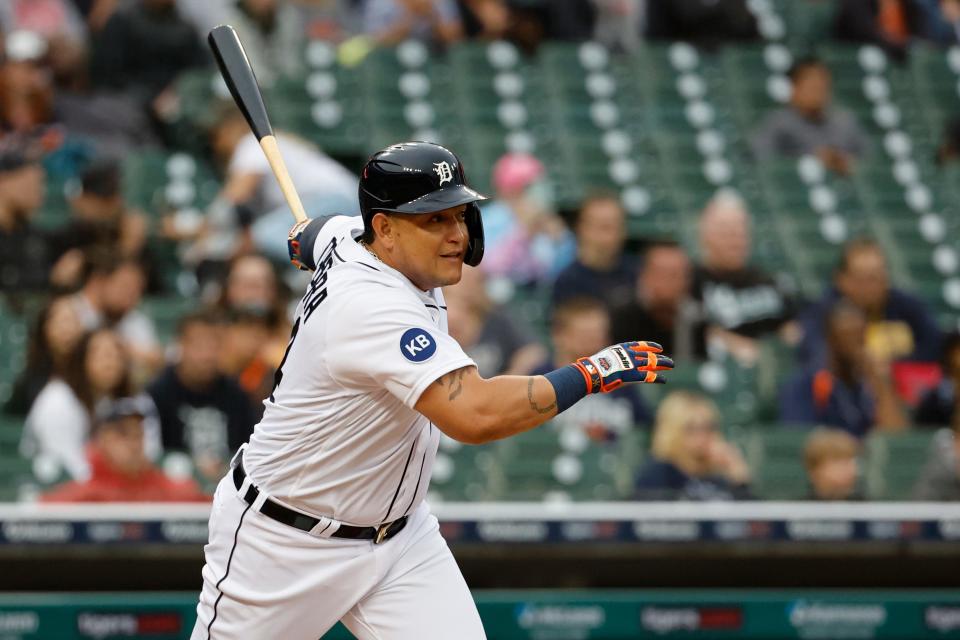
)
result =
(381, 533)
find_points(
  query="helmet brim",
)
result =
(445, 198)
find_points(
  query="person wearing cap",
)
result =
(24, 250)
(526, 241)
(120, 472)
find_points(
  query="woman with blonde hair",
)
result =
(690, 458)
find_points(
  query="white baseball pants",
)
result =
(264, 579)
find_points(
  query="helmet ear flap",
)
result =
(474, 252)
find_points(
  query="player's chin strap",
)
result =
(608, 370)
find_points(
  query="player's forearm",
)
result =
(473, 410)
(507, 405)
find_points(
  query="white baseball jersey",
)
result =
(339, 436)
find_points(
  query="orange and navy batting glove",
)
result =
(294, 244)
(608, 370)
(624, 362)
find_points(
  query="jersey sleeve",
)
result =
(384, 336)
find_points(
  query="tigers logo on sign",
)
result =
(442, 169)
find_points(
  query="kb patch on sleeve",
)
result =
(417, 345)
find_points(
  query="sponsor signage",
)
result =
(666, 620)
(101, 624)
(831, 620)
(943, 618)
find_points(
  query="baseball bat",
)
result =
(238, 74)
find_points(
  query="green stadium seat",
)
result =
(775, 458)
(463, 472)
(893, 463)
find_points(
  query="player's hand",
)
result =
(293, 244)
(624, 362)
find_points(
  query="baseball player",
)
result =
(322, 515)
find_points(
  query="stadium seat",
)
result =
(893, 463)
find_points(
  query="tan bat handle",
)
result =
(272, 151)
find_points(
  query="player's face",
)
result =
(429, 248)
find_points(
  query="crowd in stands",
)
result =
(119, 413)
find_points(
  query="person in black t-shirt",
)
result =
(741, 303)
(202, 412)
(24, 251)
(941, 405)
(662, 307)
(601, 269)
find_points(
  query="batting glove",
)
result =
(624, 362)
(293, 244)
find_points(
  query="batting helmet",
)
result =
(420, 177)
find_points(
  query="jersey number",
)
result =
(278, 375)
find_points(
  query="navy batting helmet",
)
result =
(420, 177)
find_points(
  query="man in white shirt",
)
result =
(322, 517)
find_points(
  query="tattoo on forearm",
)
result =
(533, 403)
(454, 382)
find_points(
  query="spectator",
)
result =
(526, 241)
(112, 290)
(330, 20)
(601, 269)
(26, 95)
(486, 19)
(24, 252)
(705, 22)
(582, 326)
(853, 391)
(830, 458)
(142, 48)
(889, 24)
(120, 472)
(523, 24)
(246, 355)
(940, 478)
(949, 149)
(661, 308)
(202, 412)
(104, 119)
(58, 424)
(690, 458)
(810, 125)
(392, 21)
(250, 191)
(942, 21)
(252, 286)
(570, 20)
(101, 219)
(487, 333)
(619, 23)
(47, 18)
(939, 405)
(273, 37)
(900, 325)
(741, 303)
(53, 336)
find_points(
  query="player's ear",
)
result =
(383, 227)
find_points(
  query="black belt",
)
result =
(303, 522)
